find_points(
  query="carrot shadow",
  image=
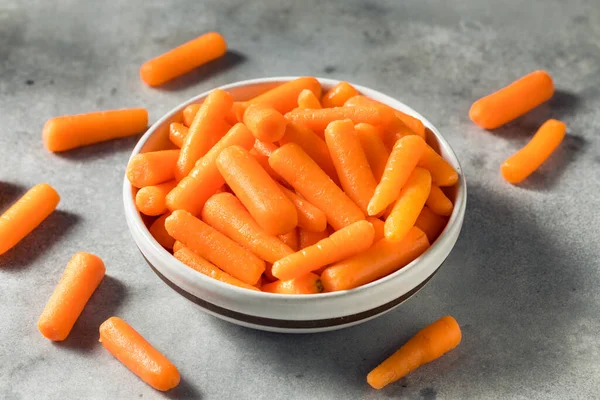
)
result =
(9, 194)
(183, 391)
(101, 150)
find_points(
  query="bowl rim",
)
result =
(193, 276)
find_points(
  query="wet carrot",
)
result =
(284, 98)
(189, 113)
(318, 120)
(338, 95)
(266, 123)
(291, 239)
(375, 150)
(177, 132)
(152, 168)
(308, 238)
(307, 99)
(79, 280)
(305, 176)
(151, 200)
(428, 344)
(381, 259)
(442, 173)
(402, 161)
(257, 191)
(200, 264)
(512, 101)
(183, 59)
(215, 247)
(438, 202)
(160, 234)
(204, 179)
(524, 162)
(177, 246)
(350, 162)
(138, 355)
(307, 284)
(72, 131)
(431, 223)
(378, 225)
(309, 216)
(26, 214)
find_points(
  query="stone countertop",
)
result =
(522, 280)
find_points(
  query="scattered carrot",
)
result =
(183, 59)
(26, 214)
(215, 247)
(177, 246)
(152, 168)
(189, 113)
(522, 164)
(378, 225)
(200, 264)
(309, 216)
(307, 99)
(512, 101)
(284, 97)
(151, 200)
(177, 132)
(431, 223)
(266, 123)
(337, 96)
(350, 162)
(318, 120)
(257, 191)
(160, 234)
(442, 173)
(346, 242)
(381, 259)
(399, 167)
(428, 344)
(72, 131)
(300, 171)
(307, 284)
(308, 238)
(79, 280)
(375, 150)
(130, 348)
(291, 239)
(438, 202)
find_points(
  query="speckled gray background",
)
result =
(522, 281)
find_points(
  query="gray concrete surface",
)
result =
(522, 281)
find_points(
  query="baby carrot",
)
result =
(378, 226)
(307, 99)
(409, 205)
(72, 131)
(79, 280)
(264, 148)
(130, 348)
(318, 120)
(428, 344)
(399, 167)
(350, 162)
(183, 59)
(284, 98)
(232, 117)
(266, 123)
(204, 179)
(346, 242)
(522, 164)
(337, 96)
(309, 216)
(177, 132)
(200, 264)
(442, 173)
(189, 113)
(305, 176)
(307, 284)
(308, 238)
(512, 101)
(375, 151)
(215, 247)
(381, 259)
(151, 200)
(264, 162)
(291, 239)
(160, 234)
(438, 202)
(257, 191)
(26, 214)
(431, 223)
(225, 213)
(177, 246)
(152, 168)
(207, 128)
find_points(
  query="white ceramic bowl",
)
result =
(289, 313)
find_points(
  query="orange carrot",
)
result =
(177, 132)
(79, 280)
(291, 239)
(177, 246)
(438, 202)
(264, 148)
(308, 238)
(284, 98)
(204, 179)
(207, 128)
(428, 344)
(307, 99)
(189, 113)
(198, 263)
(232, 117)
(409, 205)
(257, 191)
(522, 164)
(337, 96)
(399, 167)
(512, 101)
(215, 247)
(266, 123)
(442, 173)
(342, 244)
(160, 234)
(130, 348)
(183, 59)
(381, 259)
(375, 151)
(151, 200)
(300, 171)
(26, 214)
(318, 120)
(431, 223)
(225, 213)
(307, 284)
(152, 168)
(309, 216)
(378, 225)
(350, 162)
(72, 131)
(264, 162)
